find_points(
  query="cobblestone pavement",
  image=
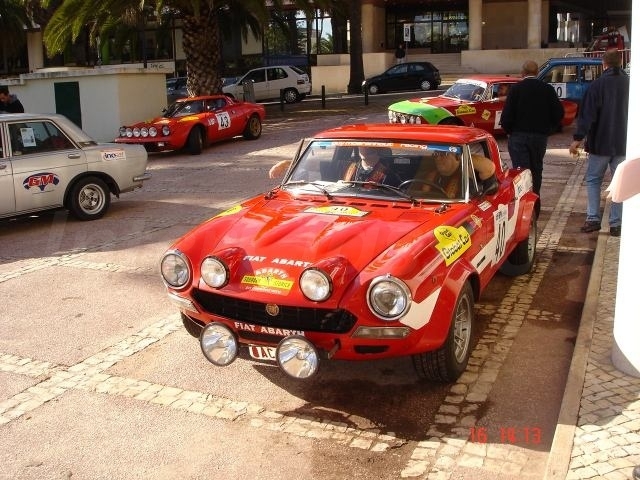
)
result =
(598, 436)
(112, 387)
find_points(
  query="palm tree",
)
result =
(205, 23)
(13, 21)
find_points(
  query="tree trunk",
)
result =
(355, 52)
(202, 47)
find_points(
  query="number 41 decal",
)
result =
(500, 232)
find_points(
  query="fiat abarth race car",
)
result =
(196, 122)
(327, 266)
(47, 162)
(476, 101)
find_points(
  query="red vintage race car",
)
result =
(196, 122)
(475, 101)
(354, 261)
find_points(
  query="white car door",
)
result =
(44, 162)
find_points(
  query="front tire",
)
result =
(90, 198)
(520, 261)
(253, 129)
(425, 85)
(291, 95)
(195, 143)
(447, 363)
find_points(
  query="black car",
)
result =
(404, 76)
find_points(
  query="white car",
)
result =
(47, 162)
(268, 82)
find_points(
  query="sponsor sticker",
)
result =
(229, 211)
(452, 242)
(40, 181)
(337, 210)
(108, 155)
(272, 280)
(486, 115)
(465, 110)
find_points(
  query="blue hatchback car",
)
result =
(570, 76)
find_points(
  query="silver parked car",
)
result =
(47, 162)
(268, 82)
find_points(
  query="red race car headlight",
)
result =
(174, 268)
(136, 132)
(315, 285)
(214, 272)
(388, 297)
(153, 131)
(128, 132)
(166, 131)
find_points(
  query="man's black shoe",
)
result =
(589, 227)
(636, 473)
(615, 232)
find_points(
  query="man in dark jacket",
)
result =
(9, 103)
(603, 121)
(531, 113)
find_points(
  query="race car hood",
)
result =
(291, 236)
(433, 109)
(158, 122)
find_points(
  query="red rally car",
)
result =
(475, 101)
(196, 122)
(331, 264)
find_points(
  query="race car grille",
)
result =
(292, 318)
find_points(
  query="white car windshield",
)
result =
(398, 170)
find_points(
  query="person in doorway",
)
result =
(602, 125)
(401, 54)
(9, 102)
(532, 112)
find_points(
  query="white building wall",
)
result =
(109, 97)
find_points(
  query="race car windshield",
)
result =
(182, 109)
(471, 92)
(398, 170)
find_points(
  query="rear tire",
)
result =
(373, 89)
(447, 363)
(520, 261)
(253, 129)
(195, 143)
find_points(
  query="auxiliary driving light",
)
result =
(218, 344)
(297, 357)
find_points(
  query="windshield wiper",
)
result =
(316, 185)
(384, 186)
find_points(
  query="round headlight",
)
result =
(297, 357)
(129, 132)
(144, 132)
(175, 269)
(388, 298)
(214, 272)
(218, 344)
(315, 285)
(418, 120)
(166, 130)
(403, 119)
(122, 132)
(136, 132)
(390, 115)
(153, 131)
